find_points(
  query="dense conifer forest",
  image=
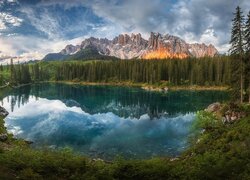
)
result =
(205, 71)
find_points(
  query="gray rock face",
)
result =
(202, 50)
(70, 49)
(230, 116)
(127, 47)
(132, 46)
(172, 43)
(3, 112)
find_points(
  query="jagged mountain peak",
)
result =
(125, 46)
(70, 49)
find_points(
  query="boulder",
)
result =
(174, 159)
(230, 116)
(3, 137)
(213, 107)
(3, 112)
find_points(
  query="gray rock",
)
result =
(213, 107)
(3, 112)
(3, 137)
(230, 116)
(174, 159)
(166, 89)
(234, 118)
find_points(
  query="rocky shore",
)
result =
(228, 113)
(3, 112)
(157, 89)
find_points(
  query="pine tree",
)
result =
(237, 50)
(247, 49)
(1, 79)
(12, 72)
(36, 72)
(247, 34)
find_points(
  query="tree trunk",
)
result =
(249, 93)
(241, 79)
(241, 88)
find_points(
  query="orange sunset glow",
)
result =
(164, 54)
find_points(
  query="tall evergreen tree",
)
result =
(237, 51)
(247, 48)
(247, 34)
(12, 72)
(1, 79)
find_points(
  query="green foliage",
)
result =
(247, 34)
(32, 162)
(4, 75)
(206, 120)
(2, 128)
(237, 35)
(240, 51)
(222, 153)
(19, 74)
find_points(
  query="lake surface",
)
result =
(105, 121)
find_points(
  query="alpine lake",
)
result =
(105, 121)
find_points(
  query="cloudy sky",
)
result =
(29, 29)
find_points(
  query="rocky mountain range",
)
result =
(134, 46)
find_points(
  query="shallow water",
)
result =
(105, 121)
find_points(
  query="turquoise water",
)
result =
(105, 121)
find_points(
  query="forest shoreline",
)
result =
(149, 87)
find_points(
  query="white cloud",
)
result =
(25, 48)
(2, 25)
(6, 19)
(45, 22)
(12, 1)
